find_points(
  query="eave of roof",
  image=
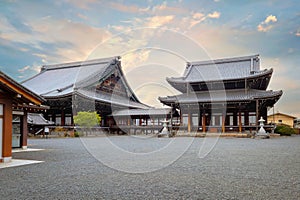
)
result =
(142, 112)
(20, 89)
(108, 98)
(221, 96)
(182, 80)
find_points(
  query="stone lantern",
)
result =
(262, 132)
(165, 131)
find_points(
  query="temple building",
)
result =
(92, 85)
(222, 95)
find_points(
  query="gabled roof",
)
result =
(60, 79)
(282, 114)
(221, 96)
(22, 94)
(220, 69)
(37, 119)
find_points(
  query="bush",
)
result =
(284, 130)
(76, 134)
(87, 120)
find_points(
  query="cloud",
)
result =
(82, 16)
(22, 70)
(159, 9)
(166, 9)
(270, 18)
(71, 40)
(200, 17)
(127, 8)
(214, 15)
(81, 4)
(267, 24)
(133, 59)
(158, 21)
(27, 70)
(40, 55)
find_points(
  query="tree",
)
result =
(87, 119)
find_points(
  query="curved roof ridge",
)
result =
(223, 60)
(80, 63)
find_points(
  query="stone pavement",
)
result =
(236, 168)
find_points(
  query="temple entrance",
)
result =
(16, 131)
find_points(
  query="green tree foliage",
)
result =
(87, 120)
(284, 130)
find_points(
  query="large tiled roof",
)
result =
(221, 96)
(142, 112)
(220, 69)
(60, 79)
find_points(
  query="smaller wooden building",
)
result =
(15, 102)
(133, 121)
(281, 118)
(37, 123)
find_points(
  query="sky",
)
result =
(154, 38)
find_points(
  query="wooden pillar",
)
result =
(257, 114)
(200, 118)
(62, 118)
(54, 118)
(7, 131)
(240, 121)
(72, 120)
(203, 121)
(128, 121)
(24, 131)
(235, 118)
(223, 122)
(246, 115)
(189, 121)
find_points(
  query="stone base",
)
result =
(262, 136)
(162, 134)
(5, 160)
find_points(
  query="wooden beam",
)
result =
(203, 121)
(20, 91)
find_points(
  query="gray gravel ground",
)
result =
(234, 169)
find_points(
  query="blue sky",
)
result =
(156, 35)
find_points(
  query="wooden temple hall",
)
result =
(222, 95)
(92, 85)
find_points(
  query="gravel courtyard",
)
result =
(233, 169)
